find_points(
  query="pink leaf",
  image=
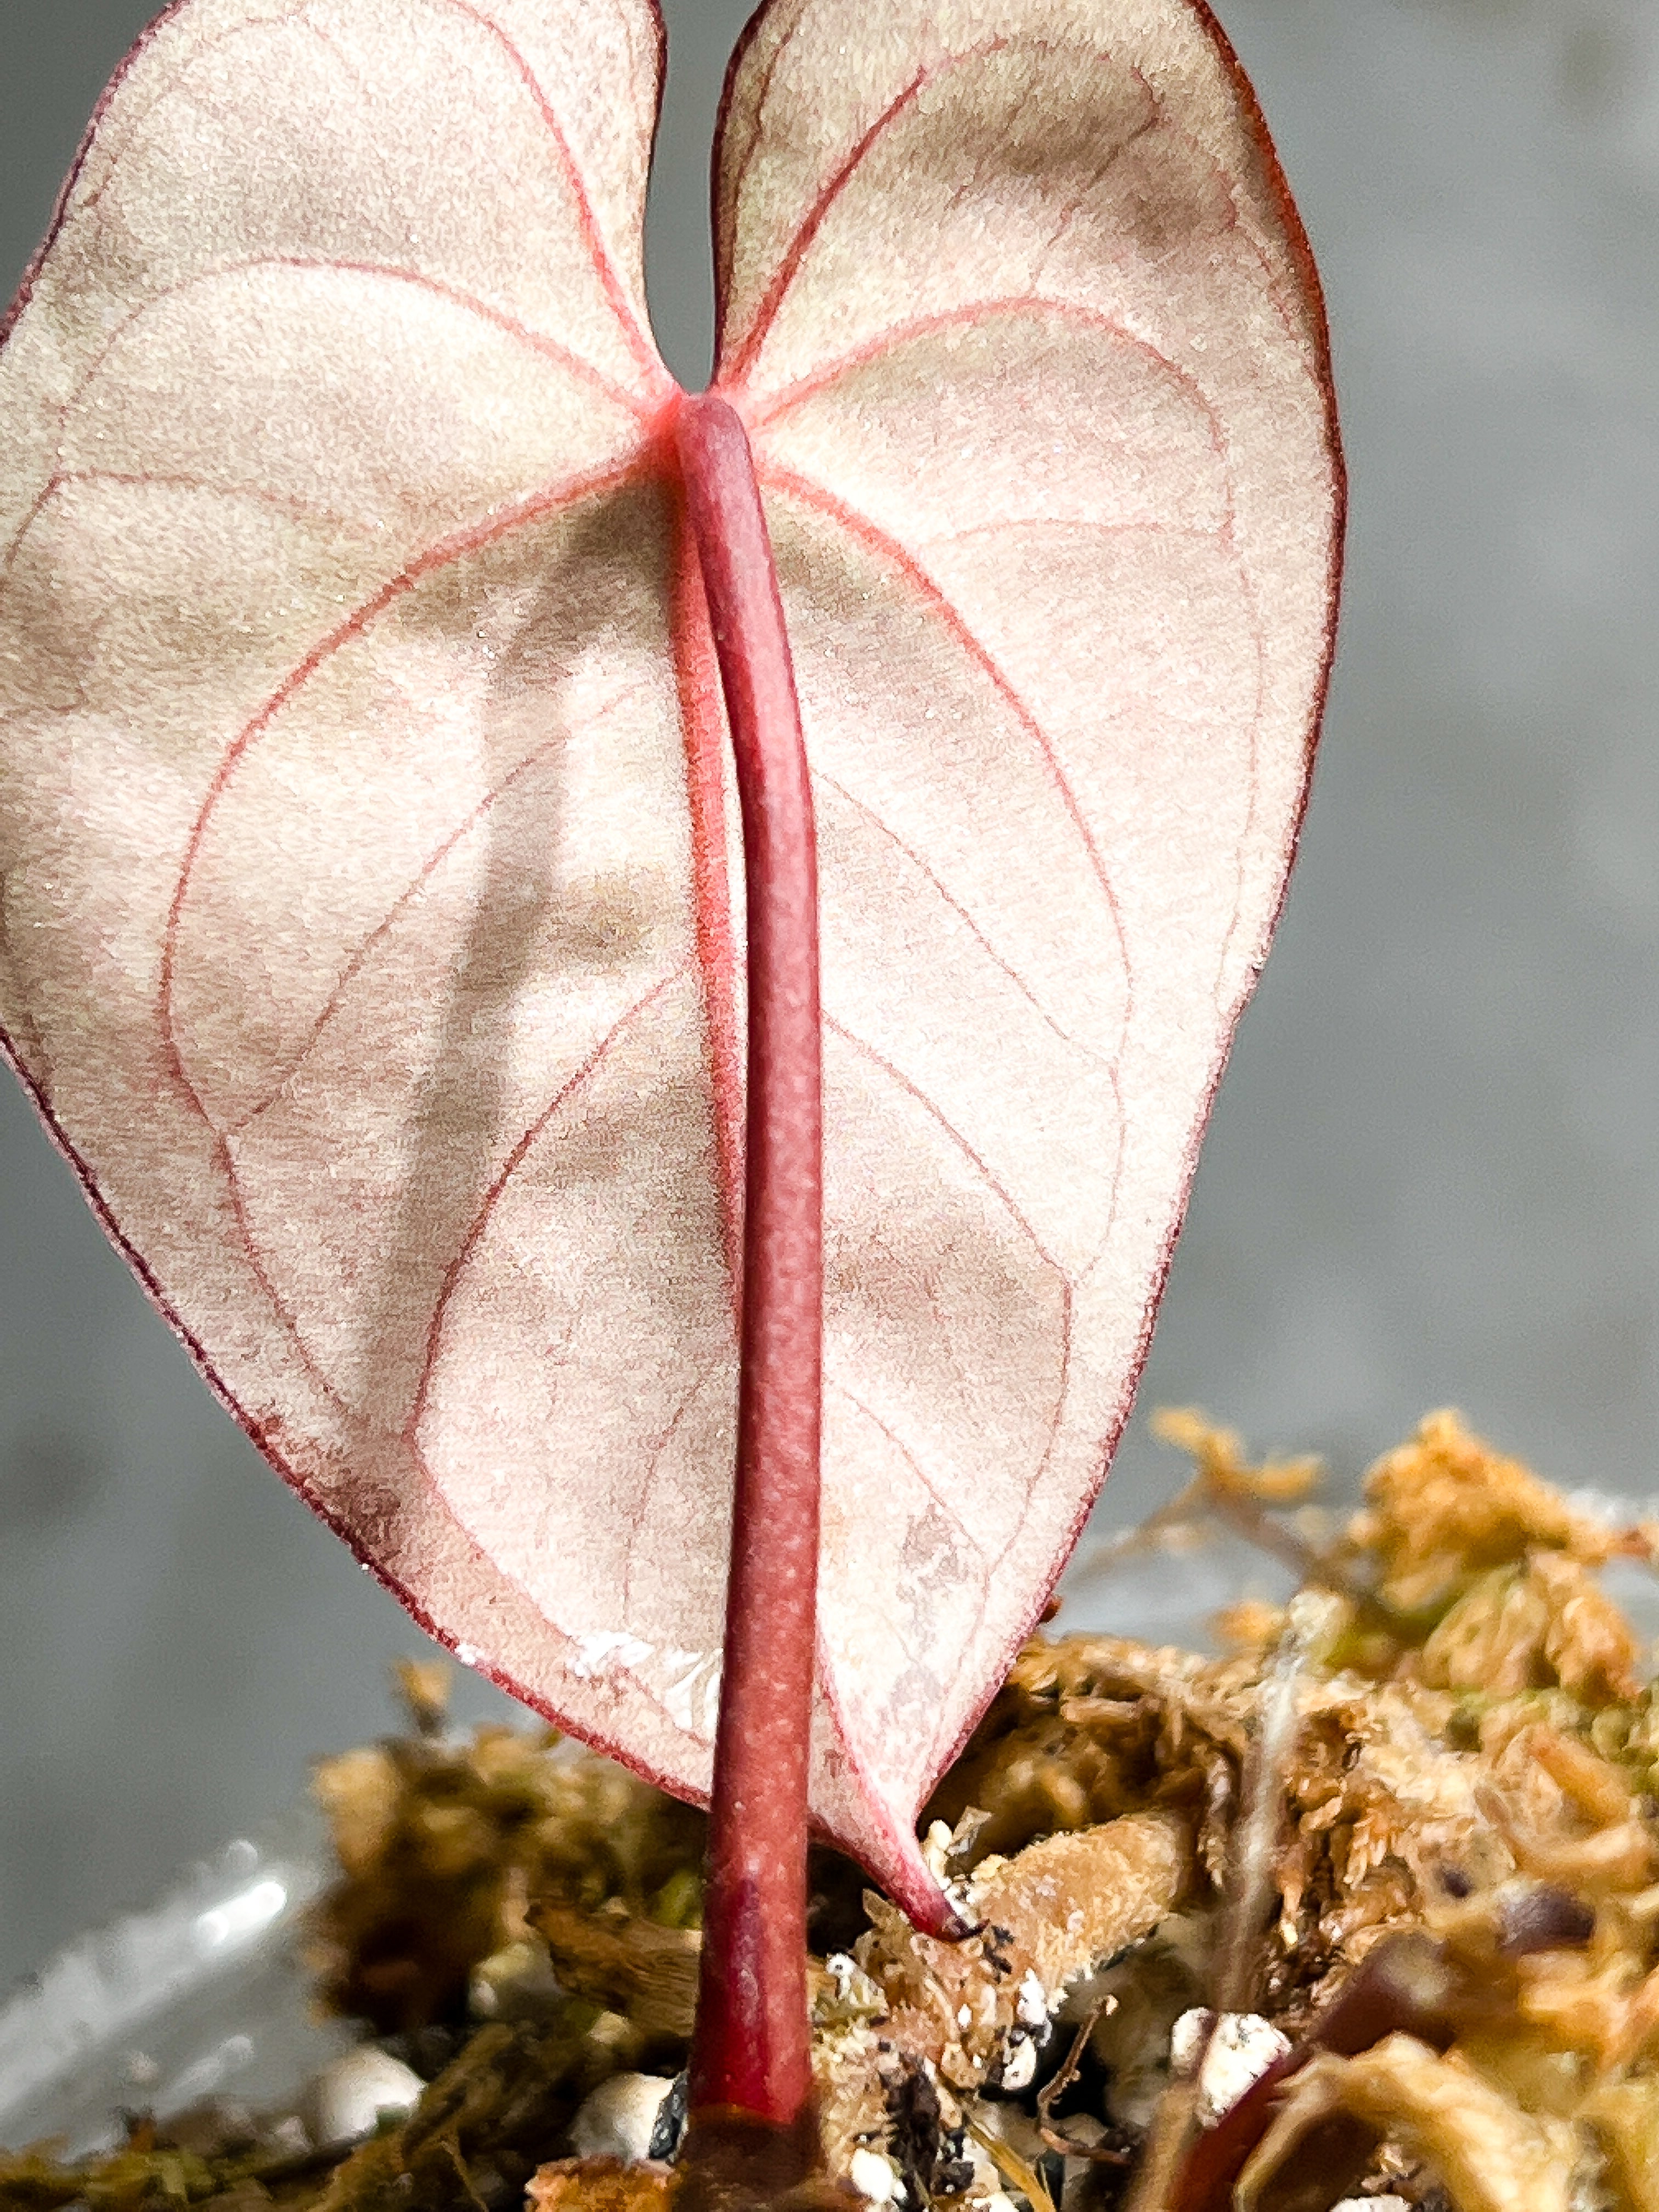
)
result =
(370, 931)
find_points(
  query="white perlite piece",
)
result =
(1020, 2060)
(876, 2178)
(516, 1983)
(1031, 2006)
(1241, 2049)
(349, 2096)
(620, 2118)
(1019, 2051)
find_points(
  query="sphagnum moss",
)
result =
(1462, 1855)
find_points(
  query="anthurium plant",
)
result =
(581, 938)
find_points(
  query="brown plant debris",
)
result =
(442, 1847)
(626, 1965)
(1368, 1905)
(571, 2184)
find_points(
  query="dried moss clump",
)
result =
(443, 1846)
(1403, 1838)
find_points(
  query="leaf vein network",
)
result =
(861, 527)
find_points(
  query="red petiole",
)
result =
(751, 2055)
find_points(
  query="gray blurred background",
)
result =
(1433, 1173)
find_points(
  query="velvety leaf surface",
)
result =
(369, 925)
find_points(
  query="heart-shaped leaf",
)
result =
(372, 935)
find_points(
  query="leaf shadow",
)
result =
(520, 917)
